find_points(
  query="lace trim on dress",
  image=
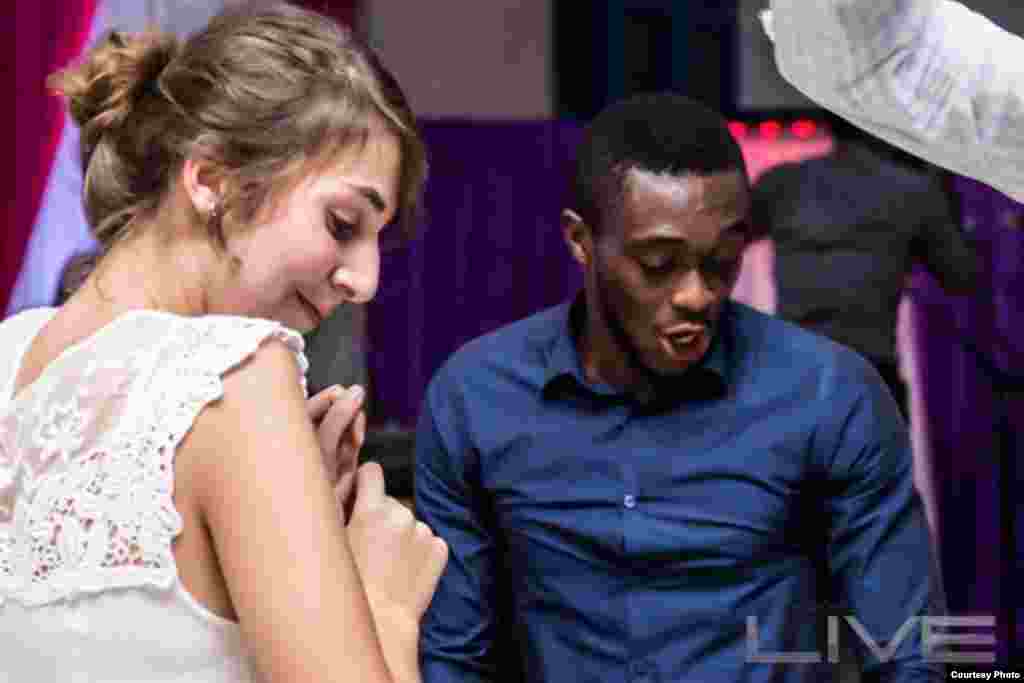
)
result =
(86, 483)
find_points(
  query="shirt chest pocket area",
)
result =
(565, 510)
(716, 520)
(557, 510)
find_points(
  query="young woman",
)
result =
(168, 509)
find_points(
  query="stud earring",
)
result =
(214, 213)
(214, 222)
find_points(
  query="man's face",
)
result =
(661, 271)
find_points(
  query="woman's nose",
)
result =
(357, 280)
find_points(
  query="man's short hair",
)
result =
(658, 133)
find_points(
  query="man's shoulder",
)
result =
(779, 176)
(774, 344)
(780, 364)
(900, 175)
(764, 331)
(519, 344)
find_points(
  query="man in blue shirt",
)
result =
(651, 483)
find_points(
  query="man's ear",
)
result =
(200, 180)
(578, 236)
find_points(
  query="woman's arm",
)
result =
(284, 552)
(929, 76)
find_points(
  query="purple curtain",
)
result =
(489, 252)
(972, 351)
(44, 37)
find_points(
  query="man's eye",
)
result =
(657, 264)
(341, 230)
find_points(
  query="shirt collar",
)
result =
(708, 378)
(563, 361)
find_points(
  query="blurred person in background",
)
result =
(846, 231)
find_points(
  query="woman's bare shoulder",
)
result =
(264, 494)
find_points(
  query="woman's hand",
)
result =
(340, 423)
(400, 559)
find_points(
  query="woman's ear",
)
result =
(578, 236)
(200, 181)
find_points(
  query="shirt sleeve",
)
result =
(942, 246)
(457, 632)
(879, 547)
(929, 76)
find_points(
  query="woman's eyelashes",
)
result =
(341, 229)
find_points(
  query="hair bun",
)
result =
(113, 77)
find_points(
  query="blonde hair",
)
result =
(261, 94)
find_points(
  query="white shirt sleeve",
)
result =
(929, 76)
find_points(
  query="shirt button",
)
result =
(629, 500)
(641, 672)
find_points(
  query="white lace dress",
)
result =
(89, 590)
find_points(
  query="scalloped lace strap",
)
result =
(231, 340)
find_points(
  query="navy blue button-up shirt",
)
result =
(596, 538)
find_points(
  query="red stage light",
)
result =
(770, 130)
(804, 129)
(738, 129)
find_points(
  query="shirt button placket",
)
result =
(629, 498)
